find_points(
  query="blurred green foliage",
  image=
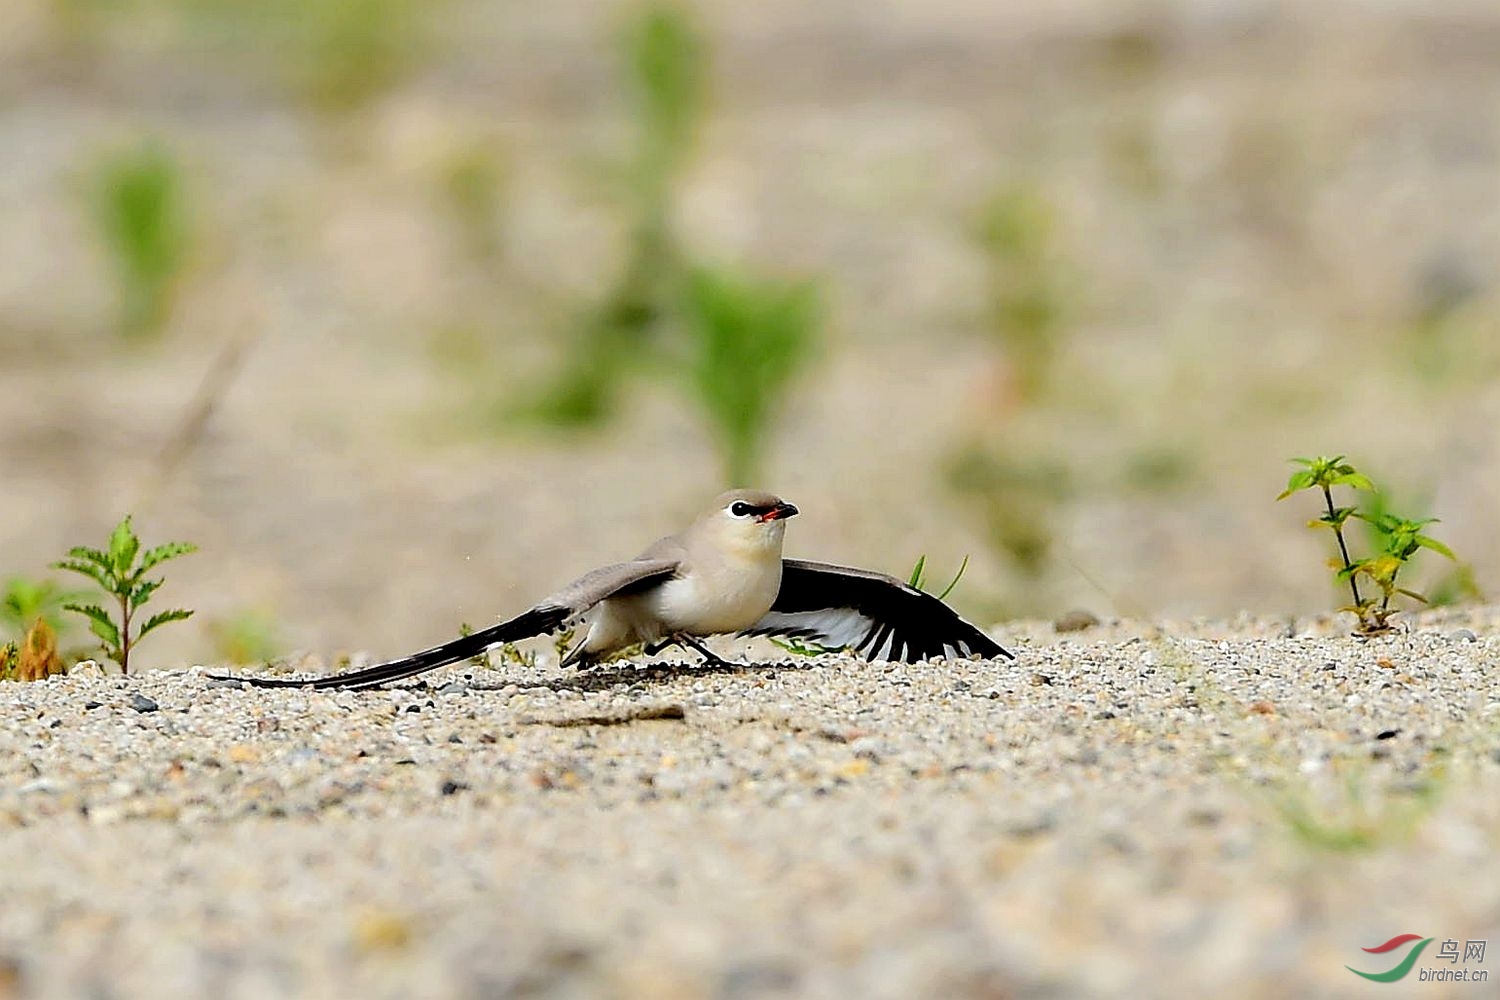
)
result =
(1358, 815)
(23, 601)
(472, 184)
(665, 57)
(750, 337)
(1451, 335)
(1027, 306)
(1015, 497)
(1013, 489)
(743, 337)
(138, 205)
(246, 637)
(350, 51)
(668, 61)
(337, 56)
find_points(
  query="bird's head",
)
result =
(751, 521)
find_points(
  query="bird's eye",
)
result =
(739, 508)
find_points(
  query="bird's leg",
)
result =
(709, 657)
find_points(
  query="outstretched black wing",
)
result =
(876, 615)
(548, 616)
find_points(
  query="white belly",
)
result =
(728, 604)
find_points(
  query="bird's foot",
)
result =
(710, 658)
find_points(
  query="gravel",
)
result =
(1125, 811)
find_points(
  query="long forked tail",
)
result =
(523, 626)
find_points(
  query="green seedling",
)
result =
(120, 570)
(1402, 539)
(513, 654)
(480, 659)
(1323, 474)
(1398, 539)
(797, 647)
(562, 641)
(918, 572)
(510, 653)
(139, 208)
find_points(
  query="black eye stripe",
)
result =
(740, 508)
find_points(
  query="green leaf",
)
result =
(1334, 518)
(160, 554)
(83, 552)
(1381, 569)
(1412, 594)
(142, 593)
(1353, 479)
(161, 618)
(1299, 481)
(1427, 542)
(956, 577)
(915, 580)
(99, 622)
(1324, 472)
(95, 573)
(123, 546)
(797, 647)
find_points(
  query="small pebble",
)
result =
(141, 703)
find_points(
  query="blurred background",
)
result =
(407, 311)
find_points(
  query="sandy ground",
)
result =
(1190, 809)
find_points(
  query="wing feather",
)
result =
(875, 614)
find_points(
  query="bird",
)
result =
(724, 574)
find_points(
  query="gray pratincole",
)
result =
(724, 574)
